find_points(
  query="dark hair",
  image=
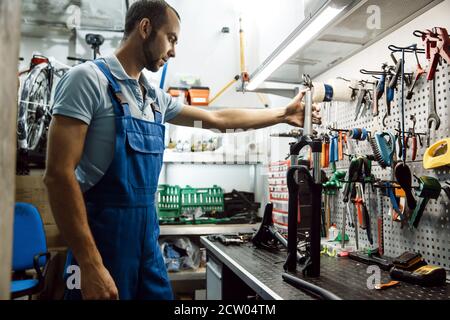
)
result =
(155, 10)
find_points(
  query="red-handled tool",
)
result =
(325, 156)
(358, 204)
(417, 75)
(437, 44)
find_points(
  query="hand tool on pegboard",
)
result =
(397, 72)
(433, 117)
(390, 92)
(391, 85)
(400, 72)
(413, 136)
(380, 223)
(378, 86)
(330, 188)
(353, 177)
(429, 188)
(334, 150)
(341, 140)
(418, 74)
(375, 107)
(403, 176)
(437, 48)
(368, 178)
(386, 189)
(438, 155)
(363, 213)
(360, 100)
(400, 141)
(410, 139)
(326, 152)
(383, 147)
(360, 134)
(398, 214)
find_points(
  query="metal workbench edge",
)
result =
(259, 287)
(205, 229)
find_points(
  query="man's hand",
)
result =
(97, 284)
(295, 112)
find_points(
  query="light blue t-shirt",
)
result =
(83, 94)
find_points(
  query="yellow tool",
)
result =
(328, 251)
(229, 84)
(438, 155)
(244, 74)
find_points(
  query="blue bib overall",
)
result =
(121, 206)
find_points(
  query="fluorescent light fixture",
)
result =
(319, 22)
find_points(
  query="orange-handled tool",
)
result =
(359, 203)
(341, 146)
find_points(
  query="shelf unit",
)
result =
(211, 157)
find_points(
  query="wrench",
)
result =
(432, 114)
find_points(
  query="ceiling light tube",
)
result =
(312, 29)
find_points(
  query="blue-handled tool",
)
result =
(390, 92)
(383, 149)
(334, 151)
(393, 199)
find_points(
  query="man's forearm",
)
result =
(69, 211)
(247, 118)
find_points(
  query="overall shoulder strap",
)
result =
(115, 92)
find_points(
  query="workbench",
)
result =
(245, 272)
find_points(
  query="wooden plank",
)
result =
(31, 189)
(54, 238)
(9, 52)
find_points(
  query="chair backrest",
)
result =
(29, 237)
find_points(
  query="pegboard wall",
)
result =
(432, 237)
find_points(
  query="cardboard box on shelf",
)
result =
(31, 189)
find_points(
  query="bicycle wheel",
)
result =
(34, 109)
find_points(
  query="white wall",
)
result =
(205, 52)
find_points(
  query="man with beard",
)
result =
(105, 151)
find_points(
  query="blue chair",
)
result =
(29, 251)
